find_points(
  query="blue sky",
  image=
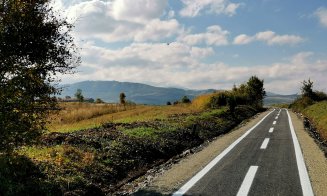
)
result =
(201, 44)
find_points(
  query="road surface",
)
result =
(266, 160)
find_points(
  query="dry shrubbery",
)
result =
(202, 101)
(75, 112)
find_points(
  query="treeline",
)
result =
(250, 93)
(308, 97)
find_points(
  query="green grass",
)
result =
(59, 155)
(318, 114)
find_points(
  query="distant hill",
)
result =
(139, 93)
(273, 98)
(145, 94)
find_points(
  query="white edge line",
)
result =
(208, 167)
(303, 173)
(247, 182)
(265, 143)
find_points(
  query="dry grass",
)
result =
(138, 113)
(75, 112)
(202, 102)
(59, 155)
(318, 114)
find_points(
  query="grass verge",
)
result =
(317, 113)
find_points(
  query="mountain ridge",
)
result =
(136, 92)
(147, 94)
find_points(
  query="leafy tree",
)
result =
(122, 98)
(255, 91)
(219, 100)
(79, 96)
(320, 96)
(98, 100)
(307, 89)
(35, 47)
(168, 103)
(231, 102)
(185, 99)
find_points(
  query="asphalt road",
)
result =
(264, 161)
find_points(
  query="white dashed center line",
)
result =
(274, 122)
(271, 130)
(247, 182)
(264, 143)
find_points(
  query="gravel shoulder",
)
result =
(315, 160)
(172, 179)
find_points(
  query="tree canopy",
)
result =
(35, 47)
(250, 93)
(79, 96)
(122, 98)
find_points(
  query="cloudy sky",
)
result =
(201, 44)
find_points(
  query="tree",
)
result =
(98, 100)
(122, 98)
(79, 96)
(307, 89)
(185, 99)
(255, 91)
(168, 103)
(35, 47)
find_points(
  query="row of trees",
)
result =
(184, 100)
(80, 98)
(250, 93)
(308, 96)
(308, 92)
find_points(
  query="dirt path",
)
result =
(172, 179)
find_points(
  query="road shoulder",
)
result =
(315, 160)
(172, 179)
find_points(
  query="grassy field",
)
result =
(317, 113)
(77, 116)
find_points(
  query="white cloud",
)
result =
(321, 13)
(214, 35)
(193, 8)
(157, 29)
(179, 64)
(138, 10)
(122, 20)
(242, 39)
(269, 37)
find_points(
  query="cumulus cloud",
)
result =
(122, 20)
(193, 8)
(321, 13)
(269, 37)
(138, 10)
(179, 64)
(242, 39)
(214, 35)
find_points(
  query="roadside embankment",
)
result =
(314, 157)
